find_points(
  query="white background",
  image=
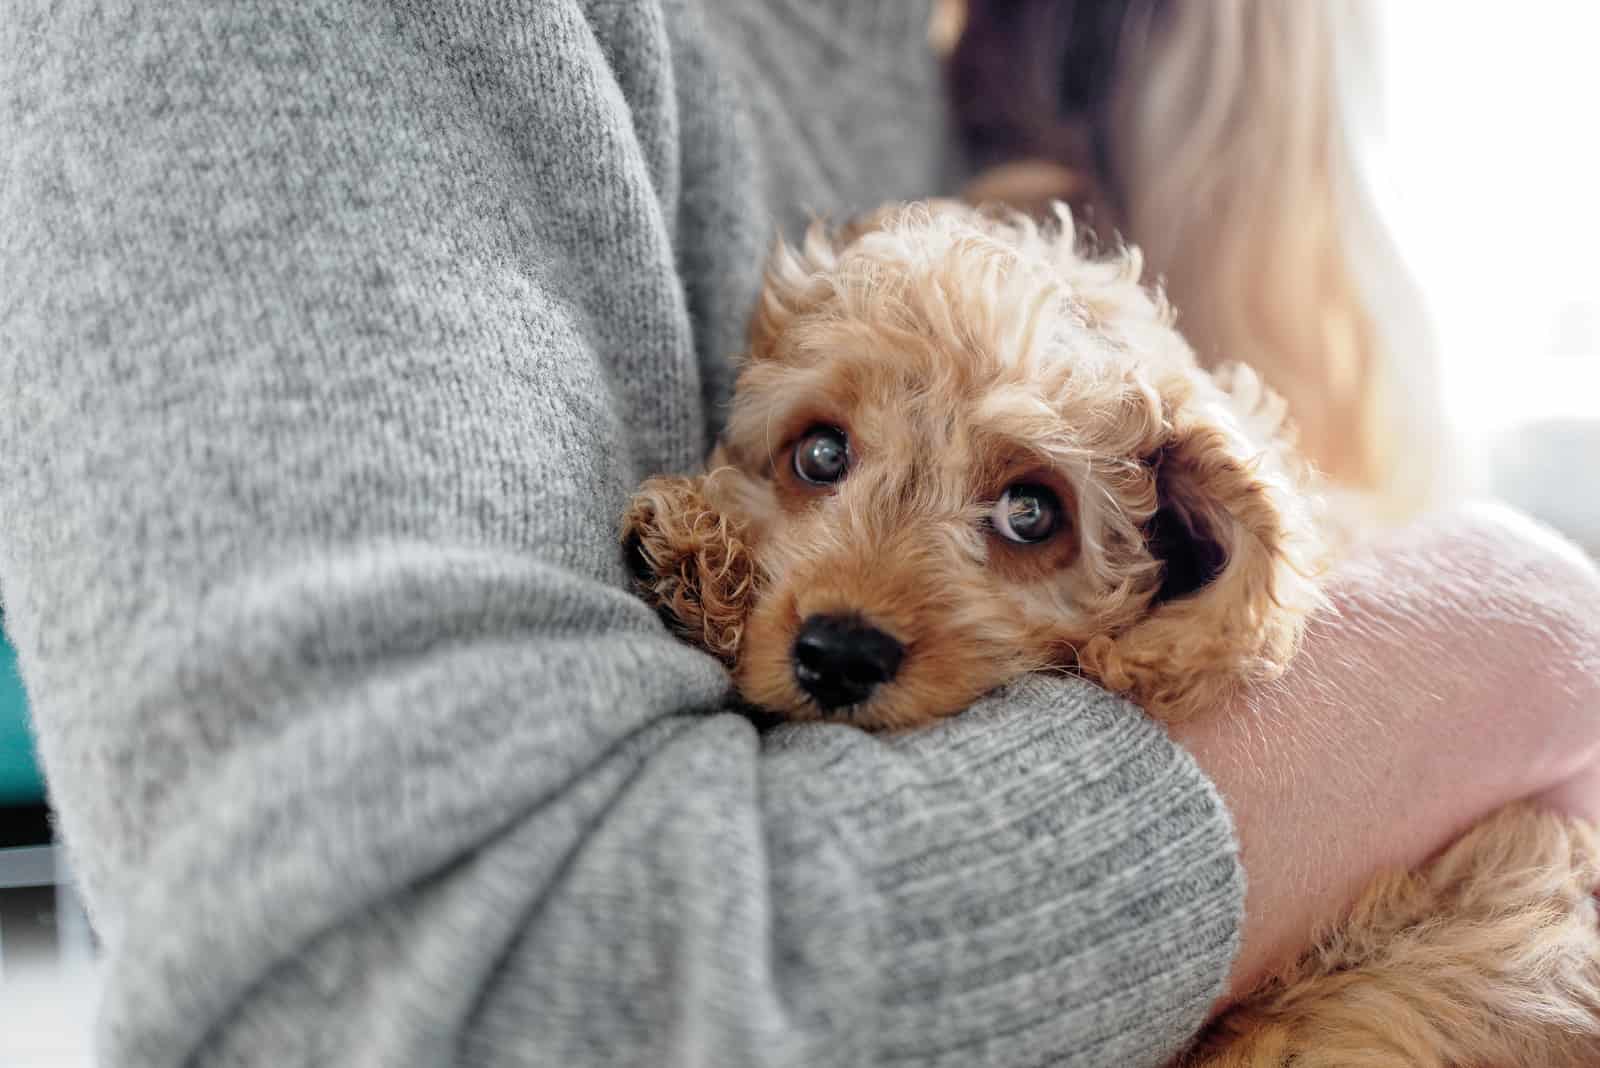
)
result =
(1492, 154)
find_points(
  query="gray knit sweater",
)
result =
(332, 339)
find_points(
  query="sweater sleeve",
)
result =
(332, 339)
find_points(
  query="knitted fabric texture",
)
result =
(333, 338)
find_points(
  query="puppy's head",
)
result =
(967, 451)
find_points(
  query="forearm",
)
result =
(1046, 877)
(1461, 673)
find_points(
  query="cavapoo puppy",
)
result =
(961, 449)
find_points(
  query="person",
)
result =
(1233, 143)
(334, 339)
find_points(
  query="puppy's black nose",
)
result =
(839, 660)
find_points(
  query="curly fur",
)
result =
(963, 351)
(960, 348)
(692, 562)
(1489, 958)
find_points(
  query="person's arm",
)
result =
(332, 339)
(1461, 673)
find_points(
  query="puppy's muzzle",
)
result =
(840, 660)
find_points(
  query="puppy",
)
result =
(960, 450)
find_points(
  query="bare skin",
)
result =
(1463, 674)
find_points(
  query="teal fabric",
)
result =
(20, 781)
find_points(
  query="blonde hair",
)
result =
(1235, 149)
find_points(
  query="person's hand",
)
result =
(1460, 673)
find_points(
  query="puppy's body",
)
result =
(1488, 958)
(960, 450)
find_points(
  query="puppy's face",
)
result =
(949, 437)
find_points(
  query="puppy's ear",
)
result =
(1238, 547)
(1188, 537)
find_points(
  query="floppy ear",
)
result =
(1239, 549)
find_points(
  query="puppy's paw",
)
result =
(691, 562)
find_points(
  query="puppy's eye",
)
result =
(1026, 513)
(823, 456)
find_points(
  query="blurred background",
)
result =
(1486, 166)
(1495, 174)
